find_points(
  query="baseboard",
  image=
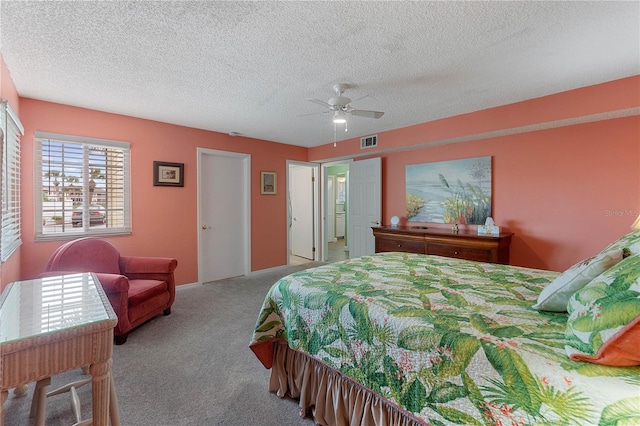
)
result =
(181, 287)
(266, 271)
(251, 273)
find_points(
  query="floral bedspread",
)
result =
(450, 341)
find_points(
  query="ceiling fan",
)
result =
(340, 106)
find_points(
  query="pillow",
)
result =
(629, 243)
(554, 297)
(604, 317)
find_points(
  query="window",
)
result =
(82, 186)
(11, 129)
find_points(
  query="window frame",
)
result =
(11, 223)
(39, 183)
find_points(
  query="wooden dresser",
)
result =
(442, 242)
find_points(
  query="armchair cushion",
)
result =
(143, 290)
(139, 288)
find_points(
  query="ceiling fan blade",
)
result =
(313, 113)
(318, 101)
(365, 113)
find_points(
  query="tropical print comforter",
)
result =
(450, 341)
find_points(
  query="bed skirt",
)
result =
(332, 398)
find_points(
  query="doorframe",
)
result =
(245, 215)
(325, 177)
(316, 208)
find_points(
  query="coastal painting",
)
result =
(456, 191)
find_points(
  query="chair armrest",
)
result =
(116, 287)
(113, 283)
(147, 265)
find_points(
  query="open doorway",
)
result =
(341, 236)
(336, 211)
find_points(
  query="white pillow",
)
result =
(556, 295)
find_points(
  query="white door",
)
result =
(365, 188)
(302, 197)
(223, 210)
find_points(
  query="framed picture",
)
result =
(268, 183)
(455, 191)
(168, 174)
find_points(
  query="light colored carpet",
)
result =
(193, 367)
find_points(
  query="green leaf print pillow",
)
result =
(554, 297)
(630, 244)
(604, 317)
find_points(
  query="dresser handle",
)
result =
(456, 253)
(399, 245)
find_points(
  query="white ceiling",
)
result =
(247, 67)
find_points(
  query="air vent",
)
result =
(369, 141)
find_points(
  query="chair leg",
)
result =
(39, 401)
(67, 387)
(120, 340)
(75, 404)
(38, 404)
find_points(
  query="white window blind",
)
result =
(10, 237)
(82, 185)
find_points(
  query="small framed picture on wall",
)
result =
(268, 183)
(168, 174)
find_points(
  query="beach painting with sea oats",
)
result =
(455, 191)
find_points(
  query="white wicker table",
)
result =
(55, 324)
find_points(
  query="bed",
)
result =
(409, 339)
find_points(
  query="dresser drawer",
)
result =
(465, 244)
(392, 244)
(460, 252)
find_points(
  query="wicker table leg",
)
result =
(101, 382)
(3, 397)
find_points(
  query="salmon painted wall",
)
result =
(9, 270)
(164, 219)
(565, 192)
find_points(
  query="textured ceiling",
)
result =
(247, 67)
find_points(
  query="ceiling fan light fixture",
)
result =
(339, 117)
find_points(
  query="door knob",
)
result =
(376, 222)
(205, 227)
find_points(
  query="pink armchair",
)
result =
(139, 288)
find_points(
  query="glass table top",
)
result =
(43, 305)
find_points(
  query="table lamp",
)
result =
(636, 224)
